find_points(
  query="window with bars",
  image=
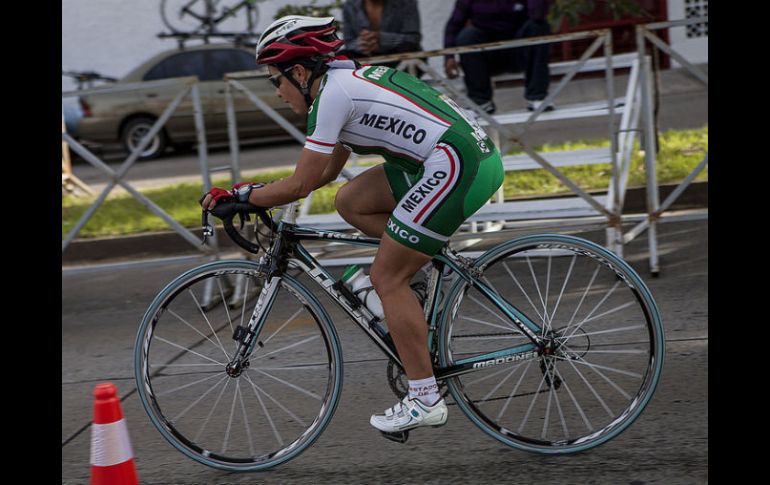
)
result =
(697, 8)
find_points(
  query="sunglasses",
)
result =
(275, 80)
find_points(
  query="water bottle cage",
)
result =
(349, 296)
(361, 290)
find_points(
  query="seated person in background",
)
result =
(380, 27)
(482, 21)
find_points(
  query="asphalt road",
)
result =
(101, 309)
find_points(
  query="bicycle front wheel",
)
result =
(268, 413)
(602, 354)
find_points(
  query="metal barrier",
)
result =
(504, 135)
(656, 210)
(635, 105)
(189, 85)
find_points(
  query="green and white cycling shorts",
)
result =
(434, 202)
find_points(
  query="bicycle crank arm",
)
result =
(398, 436)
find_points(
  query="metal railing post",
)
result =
(614, 231)
(653, 200)
(232, 133)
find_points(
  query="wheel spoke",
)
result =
(245, 297)
(564, 286)
(211, 413)
(291, 346)
(287, 383)
(289, 320)
(482, 379)
(489, 324)
(601, 302)
(546, 322)
(193, 328)
(580, 303)
(481, 304)
(494, 389)
(526, 295)
(593, 391)
(579, 409)
(188, 350)
(230, 421)
(513, 392)
(277, 403)
(539, 293)
(596, 367)
(267, 413)
(600, 360)
(184, 411)
(227, 311)
(209, 324)
(248, 426)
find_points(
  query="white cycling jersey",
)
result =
(440, 165)
(370, 114)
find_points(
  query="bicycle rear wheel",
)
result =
(270, 412)
(604, 354)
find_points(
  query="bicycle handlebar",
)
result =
(226, 211)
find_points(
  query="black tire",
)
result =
(135, 129)
(268, 414)
(605, 358)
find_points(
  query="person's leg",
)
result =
(392, 271)
(475, 65)
(367, 201)
(534, 60)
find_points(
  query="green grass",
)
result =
(680, 152)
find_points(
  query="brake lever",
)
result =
(208, 229)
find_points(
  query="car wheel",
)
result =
(133, 133)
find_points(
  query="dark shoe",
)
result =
(533, 105)
(489, 107)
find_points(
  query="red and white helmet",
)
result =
(296, 36)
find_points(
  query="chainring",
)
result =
(399, 384)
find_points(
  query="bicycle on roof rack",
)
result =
(210, 17)
(548, 343)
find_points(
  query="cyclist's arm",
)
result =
(306, 177)
(339, 157)
(322, 158)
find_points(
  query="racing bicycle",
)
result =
(547, 343)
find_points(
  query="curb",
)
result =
(166, 244)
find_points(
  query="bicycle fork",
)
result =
(248, 336)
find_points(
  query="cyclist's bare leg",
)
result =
(392, 270)
(366, 202)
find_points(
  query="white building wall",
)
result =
(692, 42)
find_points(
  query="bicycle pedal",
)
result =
(398, 436)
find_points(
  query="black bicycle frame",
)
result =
(287, 249)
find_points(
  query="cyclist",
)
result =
(440, 167)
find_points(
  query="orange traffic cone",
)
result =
(112, 460)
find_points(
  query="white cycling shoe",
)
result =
(410, 414)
